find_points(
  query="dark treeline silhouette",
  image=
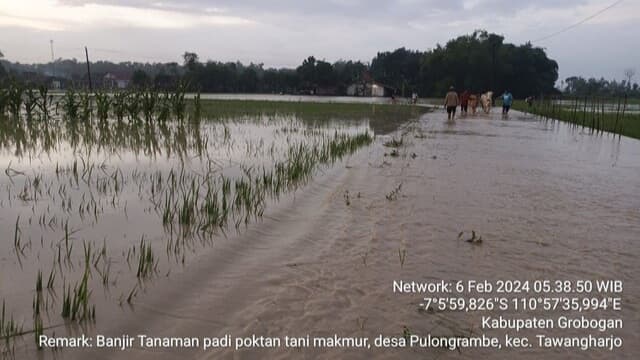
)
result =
(480, 61)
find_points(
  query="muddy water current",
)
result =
(549, 201)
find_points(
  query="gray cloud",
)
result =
(283, 32)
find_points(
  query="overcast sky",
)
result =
(281, 33)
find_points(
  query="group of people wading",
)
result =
(468, 100)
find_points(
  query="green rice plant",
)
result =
(39, 282)
(66, 302)
(87, 255)
(402, 254)
(4, 100)
(75, 305)
(52, 278)
(132, 294)
(30, 103)
(70, 105)
(15, 92)
(197, 108)
(146, 260)
(104, 273)
(148, 99)
(119, 103)
(133, 105)
(86, 109)
(5, 328)
(37, 303)
(44, 103)
(164, 109)
(17, 242)
(103, 104)
(38, 329)
(393, 195)
(9, 329)
(178, 103)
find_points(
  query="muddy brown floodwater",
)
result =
(549, 201)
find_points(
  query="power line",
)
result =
(578, 23)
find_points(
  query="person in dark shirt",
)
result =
(464, 102)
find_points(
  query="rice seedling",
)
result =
(70, 105)
(75, 305)
(44, 103)
(146, 260)
(15, 93)
(119, 103)
(38, 329)
(17, 241)
(178, 103)
(30, 103)
(52, 278)
(4, 100)
(103, 104)
(133, 105)
(402, 254)
(39, 282)
(132, 294)
(393, 195)
(148, 100)
(9, 329)
(197, 108)
(86, 108)
(406, 333)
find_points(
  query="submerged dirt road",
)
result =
(550, 202)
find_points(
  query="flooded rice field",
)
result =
(96, 206)
(294, 224)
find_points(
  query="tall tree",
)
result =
(629, 74)
(190, 60)
(139, 78)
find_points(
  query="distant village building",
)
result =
(116, 80)
(56, 82)
(369, 89)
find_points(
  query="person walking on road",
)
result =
(473, 103)
(507, 101)
(464, 102)
(451, 102)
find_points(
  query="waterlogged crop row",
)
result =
(79, 163)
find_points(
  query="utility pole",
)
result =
(86, 52)
(53, 64)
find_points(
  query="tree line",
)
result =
(478, 62)
(579, 86)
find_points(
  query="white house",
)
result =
(116, 80)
